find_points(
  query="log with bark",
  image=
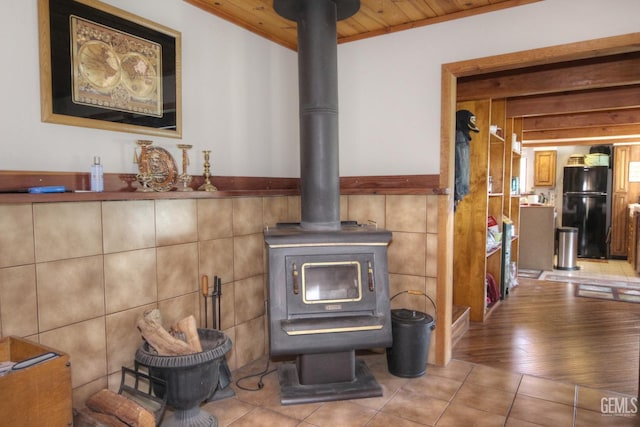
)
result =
(85, 417)
(126, 410)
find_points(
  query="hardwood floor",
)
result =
(543, 330)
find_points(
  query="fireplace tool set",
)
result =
(216, 294)
(223, 391)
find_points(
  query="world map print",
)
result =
(115, 70)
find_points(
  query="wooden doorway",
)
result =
(450, 74)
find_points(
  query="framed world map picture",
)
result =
(105, 68)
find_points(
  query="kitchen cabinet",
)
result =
(621, 158)
(619, 244)
(636, 220)
(492, 160)
(623, 194)
(544, 168)
(631, 242)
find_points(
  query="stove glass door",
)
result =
(331, 282)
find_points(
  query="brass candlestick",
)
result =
(184, 178)
(143, 176)
(207, 186)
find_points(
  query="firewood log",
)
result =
(188, 327)
(85, 417)
(160, 339)
(126, 410)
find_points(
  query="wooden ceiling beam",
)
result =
(614, 71)
(626, 131)
(630, 116)
(563, 103)
(584, 142)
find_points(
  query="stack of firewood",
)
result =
(170, 343)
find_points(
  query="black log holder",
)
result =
(189, 378)
(326, 377)
(132, 385)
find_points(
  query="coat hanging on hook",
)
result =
(465, 124)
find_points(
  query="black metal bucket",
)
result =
(411, 331)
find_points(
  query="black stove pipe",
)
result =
(318, 93)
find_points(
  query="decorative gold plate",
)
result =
(162, 168)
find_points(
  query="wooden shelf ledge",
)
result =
(124, 186)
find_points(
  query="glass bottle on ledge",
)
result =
(97, 176)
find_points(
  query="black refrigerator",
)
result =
(586, 206)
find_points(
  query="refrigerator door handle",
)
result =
(584, 194)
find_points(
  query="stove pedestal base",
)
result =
(364, 385)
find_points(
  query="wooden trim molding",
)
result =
(126, 182)
(392, 184)
(14, 184)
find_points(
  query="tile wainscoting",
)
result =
(77, 275)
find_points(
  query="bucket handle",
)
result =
(415, 292)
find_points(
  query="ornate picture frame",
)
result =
(102, 67)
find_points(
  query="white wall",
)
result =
(240, 91)
(239, 94)
(390, 85)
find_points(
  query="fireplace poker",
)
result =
(205, 294)
(214, 293)
(219, 292)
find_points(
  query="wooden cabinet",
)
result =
(38, 395)
(491, 157)
(624, 193)
(619, 242)
(544, 168)
(636, 220)
(619, 228)
(621, 158)
(631, 236)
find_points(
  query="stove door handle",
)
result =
(370, 274)
(296, 287)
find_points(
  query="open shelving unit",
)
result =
(492, 159)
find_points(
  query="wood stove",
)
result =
(328, 291)
(328, 280)
(328, 297)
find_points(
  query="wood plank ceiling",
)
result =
(375, 17)
(587, 102)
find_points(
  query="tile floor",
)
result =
(460, 394)
(607, 269)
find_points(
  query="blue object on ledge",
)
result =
(48, 189)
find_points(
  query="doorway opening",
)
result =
(450, 75)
